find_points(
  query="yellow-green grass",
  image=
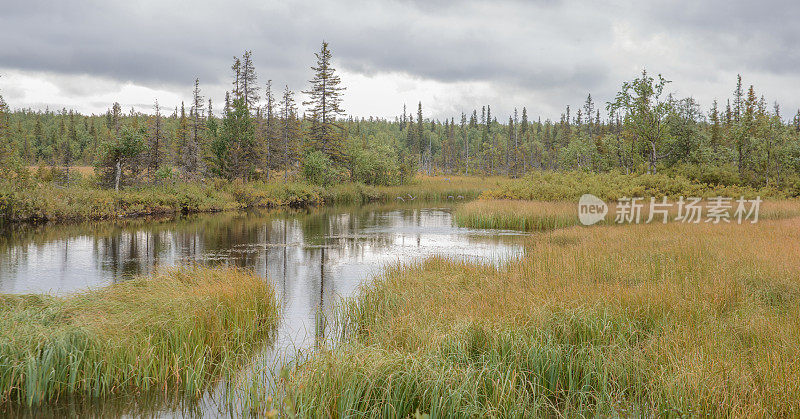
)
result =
(506, 214)
(43, 201)
(178, 330)
(639, 320)
(421, 189)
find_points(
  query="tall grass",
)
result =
(521, 215)
(516, 215)
(638, 320)
(176, 331)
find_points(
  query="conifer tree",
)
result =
(236, 67)
(715, 127)
(248, 81)
(39, 139)
(420, 134)
(115, 117)
(466, 141)
(797, 121)
(6, 146)
(289, 129)
(269, 128)
(67, 156)
(325, 100)
(738, 95)
(191, 155)
(154, 158)
(235, 151)
(181, 136)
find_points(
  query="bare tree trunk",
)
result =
(118, 175)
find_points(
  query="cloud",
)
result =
(541, 54)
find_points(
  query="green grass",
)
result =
(516, 215)
(560, 186)
(178, 330)
(640, 320)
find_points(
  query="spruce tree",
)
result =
(248, 81)
(6, 145)
(466, 141)
(156, 141)
(715, 127)
(738, 95)
(191, 155)
(236, 147)
(289, 129)
(269, 128)
(420, 134)
(325, 100)
(181, 136)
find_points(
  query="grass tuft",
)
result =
(178, 330)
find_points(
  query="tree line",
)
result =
(259, 132)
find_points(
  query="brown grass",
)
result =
(641, 320)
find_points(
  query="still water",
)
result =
(314, 257)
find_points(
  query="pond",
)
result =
(314, 257)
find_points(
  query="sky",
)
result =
(453, 56)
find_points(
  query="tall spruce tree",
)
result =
(181, 136)
(325, 100)
(420, 135)
(248, 81)
(290, 130)
(155, 142)
(269, 128)
(191, 156)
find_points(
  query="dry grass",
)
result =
(544, 215)
(639, 320)
(83, 170)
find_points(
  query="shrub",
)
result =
(376, 166)
(320, 170)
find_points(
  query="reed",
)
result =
(178, 330)
(516, 215)
(636, 320)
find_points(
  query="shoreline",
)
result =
(47, 203)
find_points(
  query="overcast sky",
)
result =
(452, 56)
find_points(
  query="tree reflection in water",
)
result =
(315, 256)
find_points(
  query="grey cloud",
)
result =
(556, 51)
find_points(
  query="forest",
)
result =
(261, 132)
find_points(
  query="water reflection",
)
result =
(313, 257)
